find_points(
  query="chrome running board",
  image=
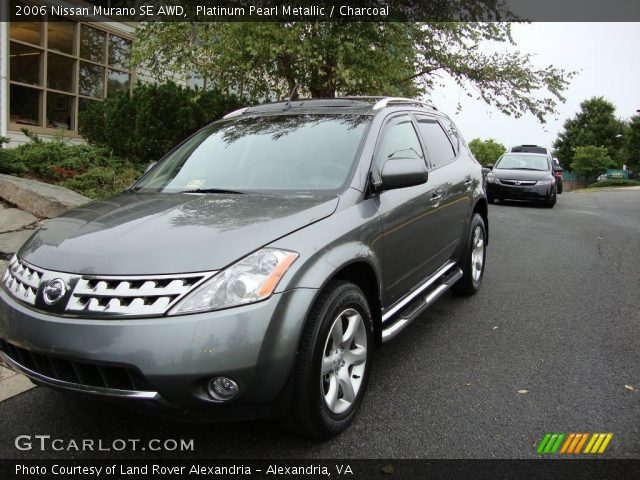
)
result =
(410, 307)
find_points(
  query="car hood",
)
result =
(521, 174)
(136, 233)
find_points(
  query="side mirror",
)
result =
(490, 166)
(403, 172)
(149, 167)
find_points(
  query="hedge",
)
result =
(145, 125)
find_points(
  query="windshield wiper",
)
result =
(212, 190)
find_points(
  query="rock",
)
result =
(12, 241)
(40, 199)
(15, 219)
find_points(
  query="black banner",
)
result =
(328, 10)
(320, 469)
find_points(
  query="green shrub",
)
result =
(99, 182)
(147, 124)
(615, 182)
(88, 169)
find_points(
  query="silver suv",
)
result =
(252, 271)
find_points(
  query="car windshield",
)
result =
(523, 162)
(276, 153)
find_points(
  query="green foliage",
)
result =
(259, 60)
(487, 151)
(595, 124)
(631, 144)
(615, 183)
(90, 170)
(591, 160)
(156, 117)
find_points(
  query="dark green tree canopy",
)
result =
(631, 148)
(487, 151)
(596, 125)
(261, 61)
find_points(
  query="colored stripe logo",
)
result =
(573, 443)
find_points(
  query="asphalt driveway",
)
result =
(550, 344)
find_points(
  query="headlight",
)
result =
(545, 182)
(252, 279)
(493, 180)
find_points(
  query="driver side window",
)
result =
(399, 140)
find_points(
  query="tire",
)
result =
(471, 279)
(552, 201)
(311, 414)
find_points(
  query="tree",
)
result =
(266, 60)
(595, 124)
(631, 149)
(487, 151)
(591, 161)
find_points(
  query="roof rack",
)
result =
(380, 102)
(235, 113)
(386, 101)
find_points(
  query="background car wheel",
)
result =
(333, 364)
(473, 260)
(490, 199)
(552, 201)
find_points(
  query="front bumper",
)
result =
(533, 193)
(166, 360)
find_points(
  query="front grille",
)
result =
(520, 183)
(22, 281)
(81, 373)
(106, 296)
(130, 295)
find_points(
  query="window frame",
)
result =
(43, 89)
(456, 151)
(390, 121)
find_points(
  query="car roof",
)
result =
(368, 105)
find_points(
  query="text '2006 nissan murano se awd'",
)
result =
(252, 271)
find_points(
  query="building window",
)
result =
(57, 68)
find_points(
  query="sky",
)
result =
(605, 55)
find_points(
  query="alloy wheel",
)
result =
(344, 361)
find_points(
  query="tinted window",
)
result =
(270, 153)
(438, 145)
(523, 162)
(399, 141)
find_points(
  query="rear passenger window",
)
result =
(399, 141)
(438, 145)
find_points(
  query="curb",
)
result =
(39, 199)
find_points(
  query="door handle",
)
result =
(468, 181)
(436, 197)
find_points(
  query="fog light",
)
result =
(222, 389)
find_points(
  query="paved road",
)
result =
(558, 316)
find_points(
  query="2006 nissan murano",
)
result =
(252, 271)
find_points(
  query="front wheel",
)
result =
(333, 364)
(473, 259)
(552, 200)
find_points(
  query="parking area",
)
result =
(551, 343)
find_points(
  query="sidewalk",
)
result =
(15, 227)
(34, 203)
